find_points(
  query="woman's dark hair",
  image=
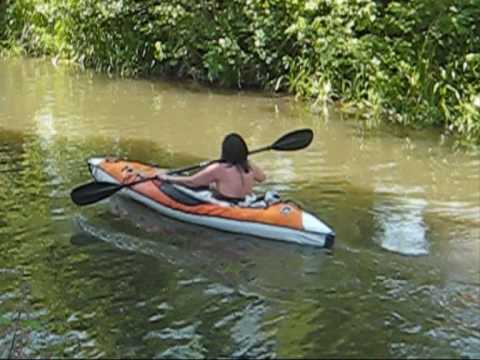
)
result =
(235, 151)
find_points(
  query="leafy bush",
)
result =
(415, 62)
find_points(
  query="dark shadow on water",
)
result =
(82, 239)
(237, 260)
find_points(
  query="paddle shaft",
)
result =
(96, 191)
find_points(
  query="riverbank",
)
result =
(415, 64)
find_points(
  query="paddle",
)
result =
(295, 140)
(99, 190)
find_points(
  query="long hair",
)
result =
(235, 151)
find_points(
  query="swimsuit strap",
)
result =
(219, 196)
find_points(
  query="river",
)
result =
(116, 280)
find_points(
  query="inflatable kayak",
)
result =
(261, 216)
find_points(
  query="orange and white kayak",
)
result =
(266, 217)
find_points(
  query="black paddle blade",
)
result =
(295, 140)
(93, 192)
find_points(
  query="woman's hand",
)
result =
(258, 173)
(162, 176)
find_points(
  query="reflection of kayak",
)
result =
(271, 218)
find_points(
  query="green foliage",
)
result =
(4, 321)
(415, 62)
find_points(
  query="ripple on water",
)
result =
(251, 341)
(7, 296)
(164, 308)
(183, 333)
(190, 282)
(193, 350)
(457, 210)
(217, 289)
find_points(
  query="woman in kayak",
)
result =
(232, 178)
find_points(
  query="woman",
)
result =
(232, 178)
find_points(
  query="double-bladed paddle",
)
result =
(99, 190)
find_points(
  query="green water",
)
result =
(116, 280)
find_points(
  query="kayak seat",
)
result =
(173, 192)
(205, 196)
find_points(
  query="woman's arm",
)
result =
(202, 178)
(258, 173)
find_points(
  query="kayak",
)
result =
(264, 216)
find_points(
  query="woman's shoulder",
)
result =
(213, 168)
(215, 165)
(222, 165)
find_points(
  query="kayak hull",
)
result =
(241, 221)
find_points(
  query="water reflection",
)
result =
(400, 225)
(182, 337)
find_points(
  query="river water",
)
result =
(114, 279)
